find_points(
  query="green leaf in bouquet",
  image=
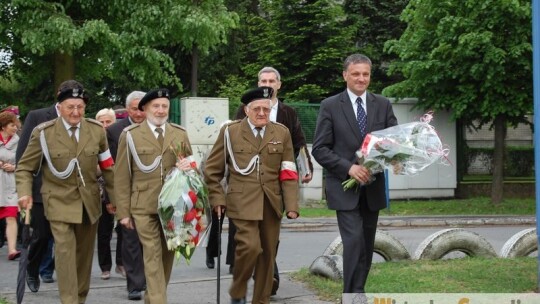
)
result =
(166, 213)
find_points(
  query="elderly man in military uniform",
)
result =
(262, 185)
(143, 161)
(67, 151)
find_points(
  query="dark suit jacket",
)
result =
(337, 138)
(33, 119)
(113, 134)
(287, 116)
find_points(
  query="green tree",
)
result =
(112, 46)
(376, 22)
(307, 42)
(470, 57)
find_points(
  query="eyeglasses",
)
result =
(259, 109)
(73, 108)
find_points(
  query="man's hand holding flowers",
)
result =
(360, 174)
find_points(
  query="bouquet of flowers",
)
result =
(184, 210)
(405, 149)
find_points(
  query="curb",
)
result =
(417, 221)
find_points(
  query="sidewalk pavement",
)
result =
(201, 288)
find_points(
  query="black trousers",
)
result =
(357, 228)
(39, 243)
(213, 238)
(104, 236)
(132, 257)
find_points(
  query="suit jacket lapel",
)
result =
(168, 140)
(268, 135)
(348, 112)
(280, 117)
(247, 134)
(51, 113)
(62, 134)
(148, 135)
(84, 136)
(371, 107)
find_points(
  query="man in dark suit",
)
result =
(286, 115)
(42, 234)
(132, 257)
(343, 122)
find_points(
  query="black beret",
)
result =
(77, 92)
(153, 94)
(257, 93)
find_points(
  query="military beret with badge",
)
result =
(257, 93)
(72, 92)
(153, 94)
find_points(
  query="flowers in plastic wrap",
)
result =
(184, 210)
(405, 149)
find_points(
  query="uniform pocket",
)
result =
(276, 148)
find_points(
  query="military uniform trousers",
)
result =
(256, 246)
(154, 250)
(73, 254)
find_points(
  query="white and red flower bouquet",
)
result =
(184, 210)
(405, 149)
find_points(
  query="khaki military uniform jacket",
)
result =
(245, 193)
(137, 192)
(62, 197)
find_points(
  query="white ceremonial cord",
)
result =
(254, 162)
(144, 168)
(64, 174)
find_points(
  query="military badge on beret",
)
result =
(257, 93)
(153, 94)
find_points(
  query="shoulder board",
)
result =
(46, 124)
(177, 126)
(94, 121)
(279, 124)
(131, 127)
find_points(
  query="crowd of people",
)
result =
(83, 178)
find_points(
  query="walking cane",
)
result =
(219, 258)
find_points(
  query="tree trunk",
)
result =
(498, 159)
(64, 68)
(194, 71)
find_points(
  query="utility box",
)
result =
(202, 117)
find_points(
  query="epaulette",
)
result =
(178, 126)
(94, 121)
(279, 124)
(229, 123)
(46, 124)
(130, 127)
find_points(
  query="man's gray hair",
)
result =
(134, 95)
(355, 59)
(269, 70)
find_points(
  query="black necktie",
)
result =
(259, 137)
(361, 117)
(160, 136)
(73, 136)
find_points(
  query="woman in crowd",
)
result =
(9, 124)
(106, 222)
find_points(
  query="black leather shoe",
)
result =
(210, 262)
(275, 286)
(238, 301)
(134, 295)
(47, 279)
(32, 282)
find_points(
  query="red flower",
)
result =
(192, 196)
(188, 217)
(170, 225)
